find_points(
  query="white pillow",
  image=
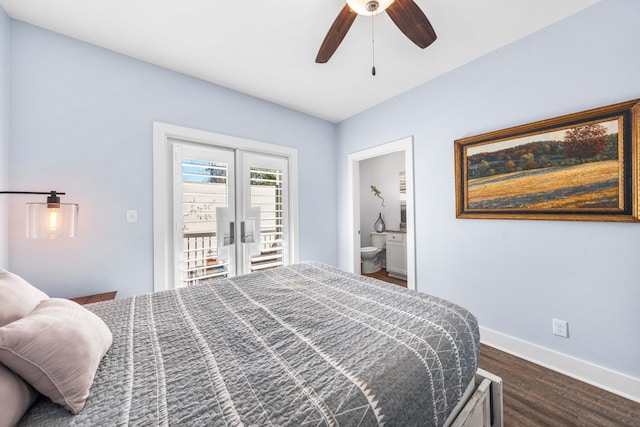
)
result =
(17, 297)
(15, 397)
(57, 349)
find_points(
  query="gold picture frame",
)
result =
(577, 167)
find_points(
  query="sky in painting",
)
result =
(611, 126)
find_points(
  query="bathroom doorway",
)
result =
(389, 168)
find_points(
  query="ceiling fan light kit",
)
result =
(369, 7)
(406, 14)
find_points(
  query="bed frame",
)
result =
(484, 406)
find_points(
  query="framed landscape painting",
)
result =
(579, 167)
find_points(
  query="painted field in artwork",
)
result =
(592, 185)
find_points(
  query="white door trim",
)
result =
(162, 180)
(353, 177)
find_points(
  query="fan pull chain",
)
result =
(373, 46)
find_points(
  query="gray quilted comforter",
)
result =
(300, 345)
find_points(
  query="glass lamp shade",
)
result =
(51, 220)
(360, 6)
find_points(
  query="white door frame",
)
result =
(163, 134)
(353, 176)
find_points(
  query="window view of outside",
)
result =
(205, 188)
(266, 194)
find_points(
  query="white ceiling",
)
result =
(267, 48)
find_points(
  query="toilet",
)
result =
(371, 256)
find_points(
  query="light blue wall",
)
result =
(82, 123)
(518, 275)
(4, 134)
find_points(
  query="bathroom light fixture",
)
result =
(51, 219)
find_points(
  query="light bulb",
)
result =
(53, 219)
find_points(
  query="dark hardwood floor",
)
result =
(382, 275)
(537, 396)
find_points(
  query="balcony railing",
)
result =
(201, 261)
(200, 258)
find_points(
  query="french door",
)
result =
(231, 212)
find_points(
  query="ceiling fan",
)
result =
(404, 13)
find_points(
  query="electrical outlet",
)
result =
(561, 328)
(132, 215)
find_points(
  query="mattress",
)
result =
(305, 344)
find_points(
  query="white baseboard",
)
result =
(606, 379)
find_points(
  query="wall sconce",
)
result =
(51, 219)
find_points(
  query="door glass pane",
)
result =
(205, 187)
(266, 194)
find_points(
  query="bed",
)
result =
(305, 344)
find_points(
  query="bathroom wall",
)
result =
(384, 173)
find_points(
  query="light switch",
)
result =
(132, 215)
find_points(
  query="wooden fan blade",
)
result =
(336, 34)
(412, 22)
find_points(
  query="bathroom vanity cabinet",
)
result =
(397, 254)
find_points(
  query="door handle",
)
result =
(245, 238)
(232, 231)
